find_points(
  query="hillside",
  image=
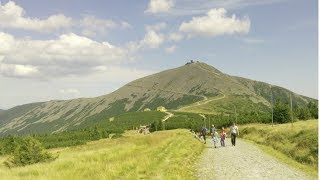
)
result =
(193, 84)
(297, 141)
(160, 155)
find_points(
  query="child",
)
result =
(223, 137)
(215, 138)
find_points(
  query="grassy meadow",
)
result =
(287, 142)
(160, 155)
(226, 104)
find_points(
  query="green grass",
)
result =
(226, 105)
(104, 128)
(160, 155)
(184, 120)
(172, 104)
(135, 119)
(295, 144)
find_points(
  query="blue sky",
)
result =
(69, 49)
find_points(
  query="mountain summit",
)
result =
(194, 87)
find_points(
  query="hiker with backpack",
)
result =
(234, 132)
(203, 134)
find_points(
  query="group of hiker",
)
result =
(234, 132)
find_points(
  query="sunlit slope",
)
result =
(160, 155)
(195, 87)
(297, 141)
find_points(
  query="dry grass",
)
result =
(295, 144)
(161, 155)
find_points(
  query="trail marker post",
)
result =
(271, 105)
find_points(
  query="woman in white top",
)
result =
(234, 132)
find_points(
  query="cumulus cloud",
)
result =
(107, 74)
(171, 49)
(92, 26)
(175, 37)
(215, 23)
(159, 6)
(69, 91)
(198, 7)
(156, 27)
(13, 16)
(16, 70)
(152, 39)
(69, 54)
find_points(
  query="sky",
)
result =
(69, 49)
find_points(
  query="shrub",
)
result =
(303, 113)
(8, 144)
(29, 151)
(313, 108)
(281, 113)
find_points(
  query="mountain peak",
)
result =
(194, 87)
(203, 66)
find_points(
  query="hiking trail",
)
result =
(202, 102)
(169, 115)
(243, 161)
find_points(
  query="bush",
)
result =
(313, 108)
(29, 151)
(281, 113)
(303, 113)
(8, 145)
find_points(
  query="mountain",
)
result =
(1, 110)
(194, 87)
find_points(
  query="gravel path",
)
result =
(243, 161)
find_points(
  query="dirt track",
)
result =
(243, 161)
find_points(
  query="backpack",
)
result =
(203, 131)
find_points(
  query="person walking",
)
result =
(215, 138)
(212, 130)
(234, 132)
(204, 133)
(223, 137)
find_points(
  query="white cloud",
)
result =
(67, 55)
(92, 26)
(192, 7)
(171, 49)
(16, 70)
(69, 91)
(215, 23)
(159, 6)
(152, 39)
(107, 74)
(125, 25)
(13, 16)
(175, 37)
(156, 27)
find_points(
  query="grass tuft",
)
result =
(295, 144)
(160, 155)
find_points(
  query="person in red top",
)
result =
(223, 137)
